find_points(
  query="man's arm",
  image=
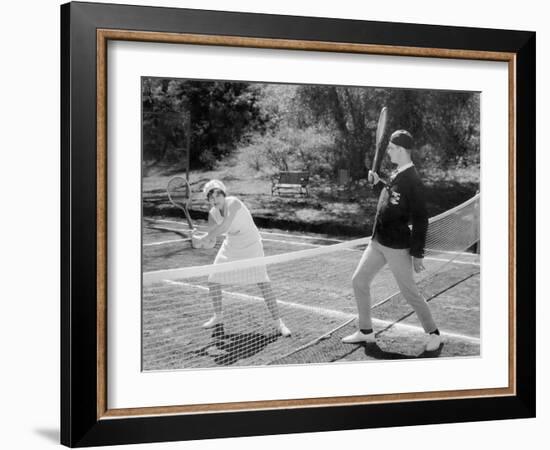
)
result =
(419, 218)
(377, 183)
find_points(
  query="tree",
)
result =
(445, 121)
(220, 115)
(351, 114)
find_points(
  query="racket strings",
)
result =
(179, 191)
(179, 194)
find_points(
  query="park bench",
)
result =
(288, 181)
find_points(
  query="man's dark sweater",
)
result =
(402, 202)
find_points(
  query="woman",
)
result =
(230, 215)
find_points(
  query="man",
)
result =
(401, 202)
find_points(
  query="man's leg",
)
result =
(400, 263)
(370, 264)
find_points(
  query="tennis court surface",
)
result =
(311, 279)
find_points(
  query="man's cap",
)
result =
(402, 138)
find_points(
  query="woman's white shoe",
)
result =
(282, 328)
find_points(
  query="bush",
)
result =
(291, 149)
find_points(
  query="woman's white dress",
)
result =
(243, 241)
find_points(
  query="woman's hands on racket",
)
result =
(202, 240)
(196, 240)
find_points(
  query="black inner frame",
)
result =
(79, 424)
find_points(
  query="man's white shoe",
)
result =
(358, 337)
(433, 342)
(282, 328)
(213, 321)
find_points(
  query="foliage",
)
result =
(211, 117)
(445, 124)
(304, 127)
(350, 114)
(291, 149)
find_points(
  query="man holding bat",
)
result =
(401, 201)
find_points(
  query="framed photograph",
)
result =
(278, 224)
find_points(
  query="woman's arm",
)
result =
(218, 229)
(211, 221)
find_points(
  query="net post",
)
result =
(188, 143)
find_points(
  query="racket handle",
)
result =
(370, 177)
(373, 177)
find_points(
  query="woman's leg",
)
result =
(273, 306)
(215, 292)
(270, 300)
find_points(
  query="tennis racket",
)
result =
(380, 151)
(179, 194)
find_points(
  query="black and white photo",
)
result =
(299, 224)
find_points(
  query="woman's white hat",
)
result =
(214, 184)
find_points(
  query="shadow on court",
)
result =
(375, 352)
(227, 349)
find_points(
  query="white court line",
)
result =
(452, 253)
(173, 221)
(414, 328)
(454, 261)
(333, 313)
(305, 244)
(282, 241)
(267, 232)
(151, 244)
(301, 237)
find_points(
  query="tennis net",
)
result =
(311, 288)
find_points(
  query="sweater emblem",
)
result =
(395, 197)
